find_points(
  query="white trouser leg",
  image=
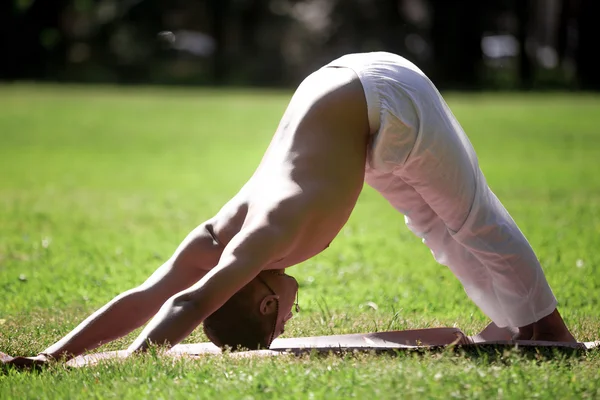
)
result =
(473, 233)
(426, 224)
(507, 283)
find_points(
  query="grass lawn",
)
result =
(99, 185)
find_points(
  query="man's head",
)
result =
(256, 314)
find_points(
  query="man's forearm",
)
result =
(183, 312)
(173, 323)
(123, 314)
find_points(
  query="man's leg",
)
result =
(478, 280)
(473, 275)
(473, 232)
(427, 225)
(444, 170)
(196, 255)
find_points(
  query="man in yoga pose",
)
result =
(371, 117)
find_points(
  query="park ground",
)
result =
(98, 185)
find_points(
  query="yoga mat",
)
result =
(432, 338)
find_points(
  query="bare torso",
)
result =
(312, 173)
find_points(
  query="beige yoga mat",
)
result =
(432, 338)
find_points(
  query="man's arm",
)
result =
(121, 315)
(128, 311)
(242, 260)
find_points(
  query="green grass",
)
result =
(99, 185)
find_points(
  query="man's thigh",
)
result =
(443, 167)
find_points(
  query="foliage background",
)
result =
(461, 44)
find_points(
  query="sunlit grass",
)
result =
(99, 185)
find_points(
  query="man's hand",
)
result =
(240, 262)
(24, 362)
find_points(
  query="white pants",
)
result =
(422, 162)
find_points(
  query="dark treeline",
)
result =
(461, 44)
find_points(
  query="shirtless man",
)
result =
(371, 117)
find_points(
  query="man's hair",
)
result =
(239, 325)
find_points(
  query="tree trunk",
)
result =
(457, 28)
(39, 59)
(218, 10)
(523, 13)
(9, 40)
(563, 31)
(588, 62)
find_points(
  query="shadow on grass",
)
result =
(491, 353)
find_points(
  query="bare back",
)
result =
(312, 173)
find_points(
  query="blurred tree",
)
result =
(562, 36)
(367, 25)
(33, 45)
(8, 41)
(277, 42)
(349, 28)
(456, 32)
(587, 60)
(251, 18)
(142, 20)
(261, 28)
(218, 11)
(120, 38)
(523, 11)
(389, 27)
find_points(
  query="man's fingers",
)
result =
(5, 358)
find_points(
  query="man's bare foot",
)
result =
(525, 333)
(551, 328)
